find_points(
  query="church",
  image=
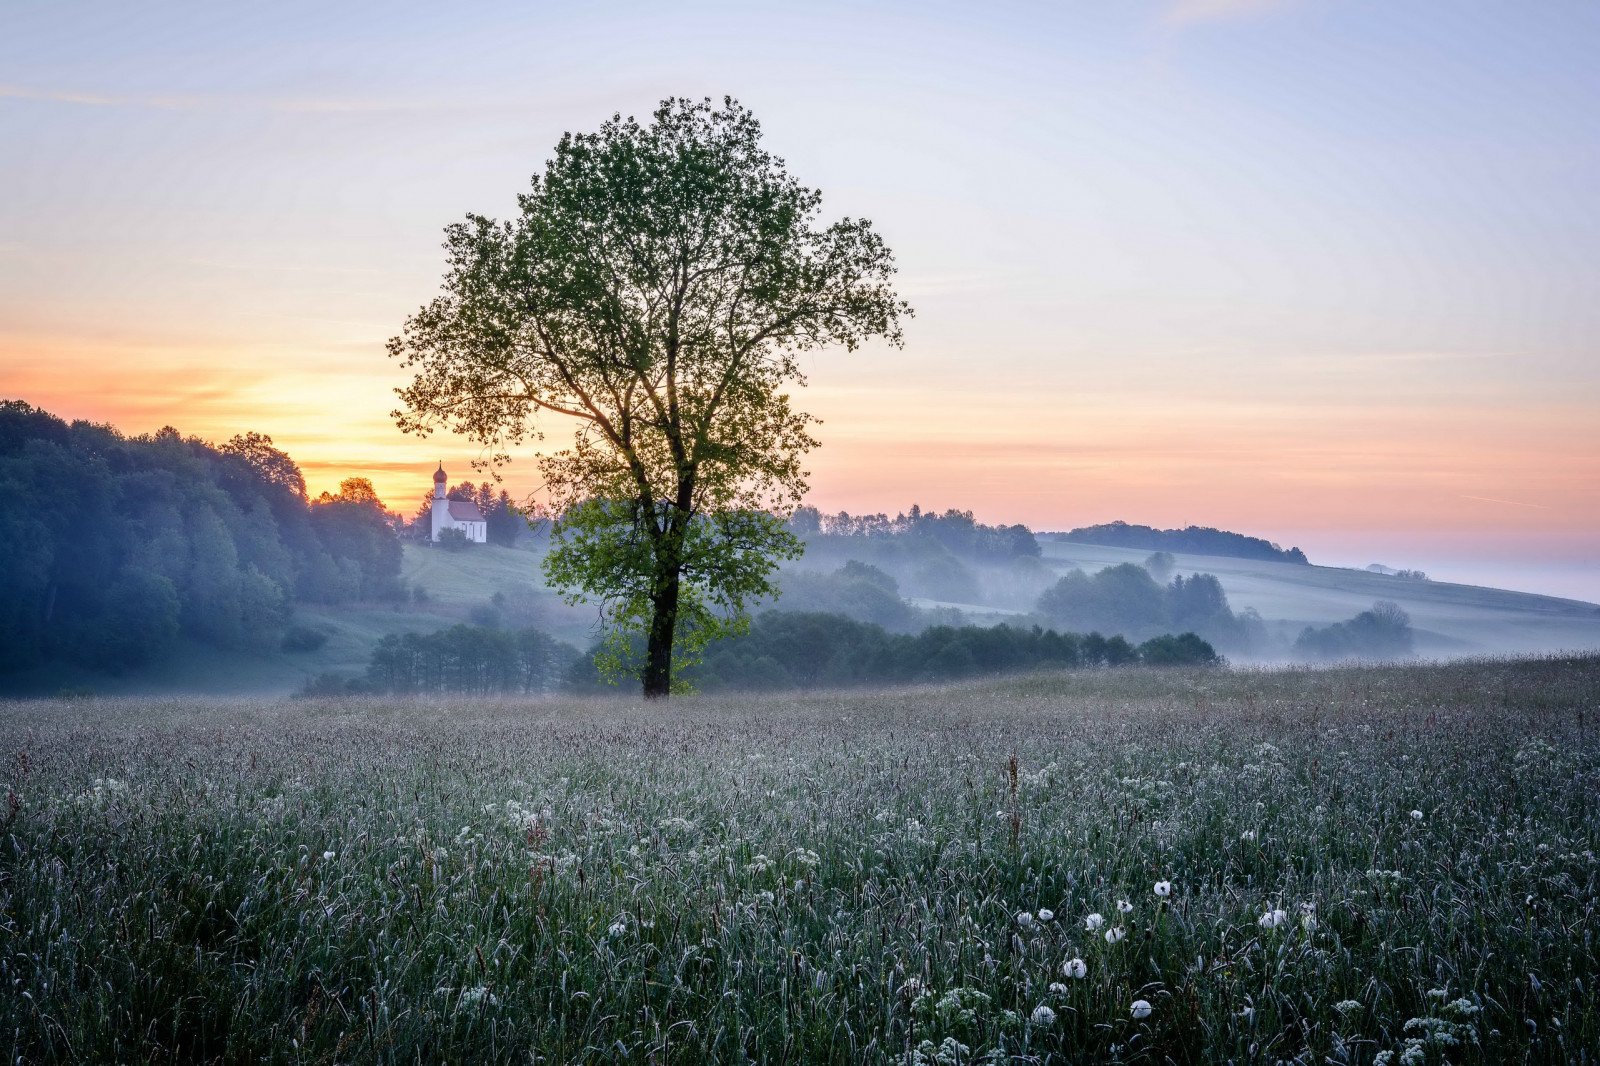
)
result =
(456, 514)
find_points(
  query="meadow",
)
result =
(1354, 865)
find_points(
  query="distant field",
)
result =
(1450, 620)
(1360, 861)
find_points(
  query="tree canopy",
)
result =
(656, 288)
(116, 547)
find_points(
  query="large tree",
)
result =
(656, 288)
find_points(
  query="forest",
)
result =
(118, 546)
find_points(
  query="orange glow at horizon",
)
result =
(1050, 458)
(1313, 272)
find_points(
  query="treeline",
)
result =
(1127, 599)
(1195, 540)
(477, 660)
(114, 547)
(956, 531)
(949, 557)
(798, 650)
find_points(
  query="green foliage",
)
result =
(138, 623)
(729, 557)
(1382, 632)
(792, 649)
(115, 547)
(477, 660)
(1182, 649)
(830, 879)
(657, 287)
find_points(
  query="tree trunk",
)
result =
(663, 623)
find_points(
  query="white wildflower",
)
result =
(1025, 919)
(1163, 889)
(1043, 1017)
(1115, 934)
(1272, 919)
(1248, 836)
(1076, 969)
(1416, 816)
(1046, 914)
(1124, 906)
(1140, 1008)
(1094, 921)
(329, 856)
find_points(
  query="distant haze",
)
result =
(1323, 273)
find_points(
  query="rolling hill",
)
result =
(1450, 620)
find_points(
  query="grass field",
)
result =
(1360, 862)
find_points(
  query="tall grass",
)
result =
(1363, 863)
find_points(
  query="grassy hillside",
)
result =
(1136, 866)
(1449, 619)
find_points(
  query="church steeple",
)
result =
(439, 479)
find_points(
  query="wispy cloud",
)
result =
(192, 102)
(1508, 503)
(1180, 13)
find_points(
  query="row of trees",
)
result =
(114, 547)
(784, 650)
(1195, 540)
(472, 659)
(956, 531)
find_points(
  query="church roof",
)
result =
(465, 511)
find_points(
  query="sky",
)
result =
(1320, 272)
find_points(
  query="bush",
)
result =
(452, 540)
(1184, 649)
(1161, 565)
(1384, 632)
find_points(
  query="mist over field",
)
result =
(1008, 534)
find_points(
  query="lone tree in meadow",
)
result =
(655, 290)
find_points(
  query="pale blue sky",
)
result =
(1322, 271)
